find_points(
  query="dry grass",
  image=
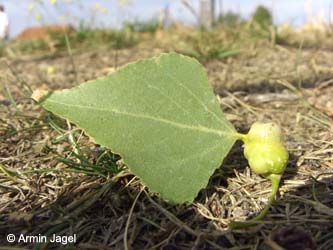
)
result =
(53, 179)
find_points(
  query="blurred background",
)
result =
(205, 29)
(116, 13)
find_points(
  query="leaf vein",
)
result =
(142, 116)
(179, 83)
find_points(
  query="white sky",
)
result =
(292, 11)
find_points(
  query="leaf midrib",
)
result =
(202, 129)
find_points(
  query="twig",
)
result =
(129, 218)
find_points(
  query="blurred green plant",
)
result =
(262, 17)
(260, 25)
(87, 37)
(208, 45)
(150, 26)
(229, 19)
(28, 47)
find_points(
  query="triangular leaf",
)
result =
(160, 115)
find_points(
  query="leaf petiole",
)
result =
(239, 136)
(275, 180)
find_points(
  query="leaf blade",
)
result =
(160, 115)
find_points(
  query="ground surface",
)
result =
(288, 85)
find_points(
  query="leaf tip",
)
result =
(39, 94)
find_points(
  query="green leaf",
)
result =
(160, 115)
